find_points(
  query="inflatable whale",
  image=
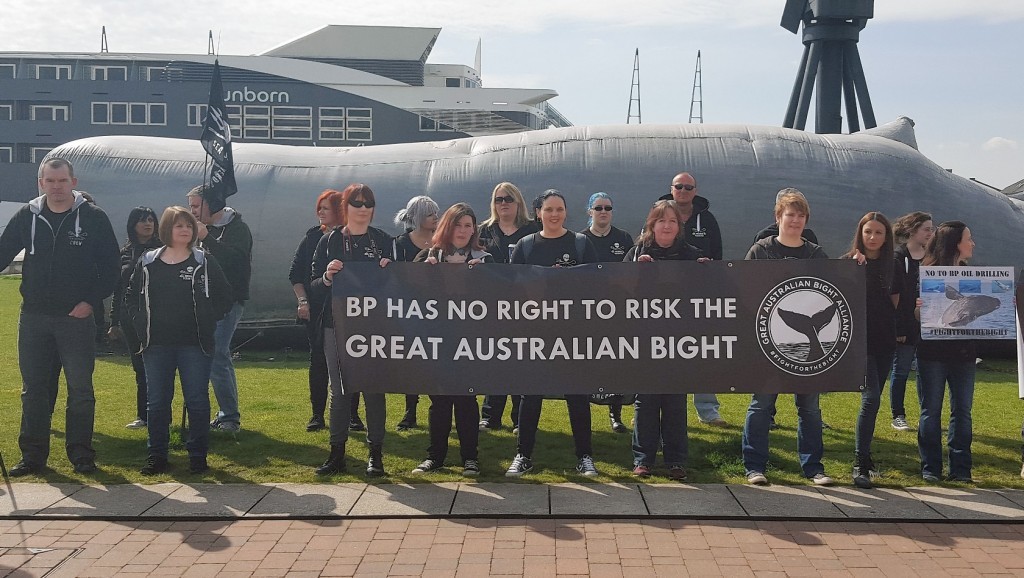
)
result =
(738, 168)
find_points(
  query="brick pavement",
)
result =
(507, 547)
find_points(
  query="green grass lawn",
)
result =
(273, 445)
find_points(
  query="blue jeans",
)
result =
(870, 400)
(808, 433)
(222, 372)
(932, 377)
(74, 341)
(902, 360)
(707, 406)
(193, 366)
(660, 418)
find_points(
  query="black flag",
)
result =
(216, 140)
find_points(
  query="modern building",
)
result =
(339, 86)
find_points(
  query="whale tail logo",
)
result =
(810, 326)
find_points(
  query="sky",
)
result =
(953, 66)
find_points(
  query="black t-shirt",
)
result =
(405, 249)
(612, 247)
(496, 242)
(881, 315)
(173, 318)
(771, 248)
(907, 269)
(560, 251)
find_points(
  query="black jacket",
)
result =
(908, 269)
(230, 241)
(302, 264)
(679, 251)
(702, 229)
(211, 298)
(334, 245)
(67, 262)
(130, 255)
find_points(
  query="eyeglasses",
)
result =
(601, 208)
(507, 200)
(361, 204)
(681, 186)
(147, 219)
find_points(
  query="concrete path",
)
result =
(465, 529)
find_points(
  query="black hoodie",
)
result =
(67, 262)
(702, 228)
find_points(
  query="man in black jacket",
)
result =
(71, 265)
(223, 233)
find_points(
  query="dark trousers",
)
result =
(660, 419)
(870, 400)
(141, 397)
(579, 421)
(494, 407)
(74, 340)
(440, 421)
(318, 377)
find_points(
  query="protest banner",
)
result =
(967, 302)
(663, 327)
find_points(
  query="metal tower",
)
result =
(696, 97)
(103, 40)
(634, 91)
(209, 45)
(831, 31)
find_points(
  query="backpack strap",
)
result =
(528, 242)
(581, 246)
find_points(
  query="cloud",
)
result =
(998, 143)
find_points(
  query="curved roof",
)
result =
(362, 42)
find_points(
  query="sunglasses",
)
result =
(507, 200)
(361, 204)
(681, 186)
(601, 208)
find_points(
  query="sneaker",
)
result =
(316, 423)
(773, 425)
(677, 473)
(900, 423)
(1022, 471)
(24, 468)
(619, 427)
(197, 464)
(356, 424)
(822, 480)
(225, 426)
(757, 479)
(862, 478)
(471, 468)
(825, 426)
(85, 466)
(520, 465)
(930, 478)
(642, 471)
(154, 465)
(137, 424)
(428, 465)
(718, 422)
(515, 430)
(586, 467)
(963, 479)
(486, 425)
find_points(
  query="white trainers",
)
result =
(428, 465)
(586, 467)
(900, 423)
(757, 479)
(137, 424)
(822, 480)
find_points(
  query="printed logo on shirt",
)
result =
(77, 239)
(186, 273)
(699, 233)
(566, 261)
(804, 326)
(617, 249)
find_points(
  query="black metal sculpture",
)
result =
(831, 31)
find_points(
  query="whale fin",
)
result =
(797, 321)
(822, 318)
(952, 294)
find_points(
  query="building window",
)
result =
(8, 71)
(119, 113)
(36, 154)
(6, 112)
(6, 155)
(452, 82)
(101, 113)
(427, 124)
(256, 122)
(234, 120)
(60, 112)
(53, 71)
(157, 114)
(292, 123)
(359, 124)
(196, 114)
(153, 73)
(110, 73)
(137, 113)
(332, 123)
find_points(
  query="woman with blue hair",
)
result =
(611, 243)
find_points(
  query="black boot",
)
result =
(335, 463)
(409, 419)
(862, 473)
(615, 415)
(354, 423)
(375, 466)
